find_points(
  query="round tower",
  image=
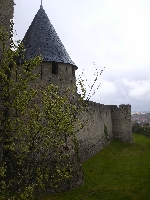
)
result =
(41, 39)
(57, 68)
(121, 122)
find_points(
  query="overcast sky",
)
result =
(114, 34)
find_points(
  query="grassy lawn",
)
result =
(120, 171)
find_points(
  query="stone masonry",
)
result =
(6, 13)
(105, 122)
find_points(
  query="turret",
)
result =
(121, 122)
(42, 39)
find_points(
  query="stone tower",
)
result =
(121, 123)
(41, 39)
(56, 68)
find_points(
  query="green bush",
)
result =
(142, 130)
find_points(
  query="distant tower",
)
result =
(42, 39)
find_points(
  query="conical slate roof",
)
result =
(42, 39)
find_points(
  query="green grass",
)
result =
(121, 171)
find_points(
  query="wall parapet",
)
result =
(105, 123)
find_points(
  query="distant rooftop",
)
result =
(42, 39)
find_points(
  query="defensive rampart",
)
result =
(105, 123)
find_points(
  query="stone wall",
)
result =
(65, 75)
(6, 16)
(105, 124)
(6, 13)
(98, 131)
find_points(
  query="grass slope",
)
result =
(121, 171)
